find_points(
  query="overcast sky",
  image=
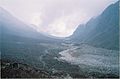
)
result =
(55, 17)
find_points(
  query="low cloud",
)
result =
(56, 17)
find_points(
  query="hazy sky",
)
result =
(55, 17)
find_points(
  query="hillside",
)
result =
(102, 31)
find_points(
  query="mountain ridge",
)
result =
(10, 25)
(101, 31)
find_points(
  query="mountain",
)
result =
(102, 31)
(13, 27)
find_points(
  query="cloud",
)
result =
(56, 17)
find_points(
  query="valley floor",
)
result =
(61, 60)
